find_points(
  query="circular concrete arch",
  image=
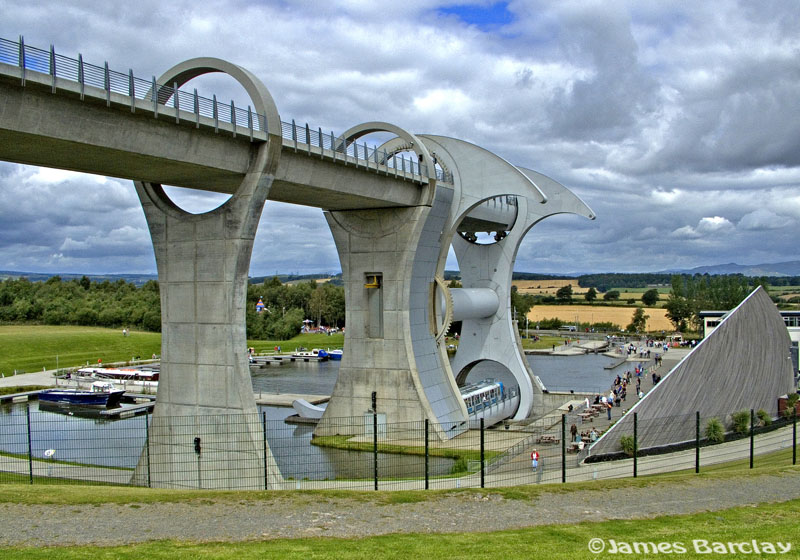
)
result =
(413, 143)
(263, 103)
(268, 155)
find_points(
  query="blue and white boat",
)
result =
(335, 354)
(102, 395)
(489, 400)
(310, 355)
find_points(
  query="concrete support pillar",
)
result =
(389, 259)
(205, 431)
(205, 390)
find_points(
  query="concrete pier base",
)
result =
(388, 261)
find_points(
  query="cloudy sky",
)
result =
(677, 122)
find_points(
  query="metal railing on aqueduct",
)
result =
(169, 97)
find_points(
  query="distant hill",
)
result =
(136, 279)
(789, 268)
(770, 270)
(140, 279)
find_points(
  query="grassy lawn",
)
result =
(308, 341)
(33, 347)
(348, 444)
(767, 523)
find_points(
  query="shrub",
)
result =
(740, 422)
(460, 466)
(764, 419)
(715, 433)
(627, 443)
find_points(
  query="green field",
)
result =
(28, 348)
(33, 348)
(768, 523)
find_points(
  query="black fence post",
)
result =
(752, 438)
(30, 446)
(794, 436)
(375, 446)
(563, 448)
(147, 446)
(635, 444)
(427, 454)
(697, 442)
(483, 480)
(264, 430)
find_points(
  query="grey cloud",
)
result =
(657, 115)
(762, 220)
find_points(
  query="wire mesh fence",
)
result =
(250, 451)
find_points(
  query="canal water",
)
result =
(118, 443)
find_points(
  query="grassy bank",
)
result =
(764, 523)
(349, 444)
(308, 341)
(34, 347)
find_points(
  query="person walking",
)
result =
(534, 459)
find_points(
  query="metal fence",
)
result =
(169, 97)
(364, 453)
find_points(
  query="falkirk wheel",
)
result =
(398, 307)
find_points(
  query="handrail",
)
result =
(27, 58)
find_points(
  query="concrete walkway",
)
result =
(43, 378)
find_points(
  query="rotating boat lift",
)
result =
(398, 305)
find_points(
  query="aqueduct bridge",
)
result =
(394, 209)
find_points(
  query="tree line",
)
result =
(604, 282)
(122, 304)
(691, 294)
(286, 306)
(81, 302)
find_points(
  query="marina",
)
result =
(275, 390)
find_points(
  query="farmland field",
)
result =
(600, 314)
(547, 287)
(550, 287)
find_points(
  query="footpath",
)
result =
(40, 378)
(272, 515)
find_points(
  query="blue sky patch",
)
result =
(484, 17)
